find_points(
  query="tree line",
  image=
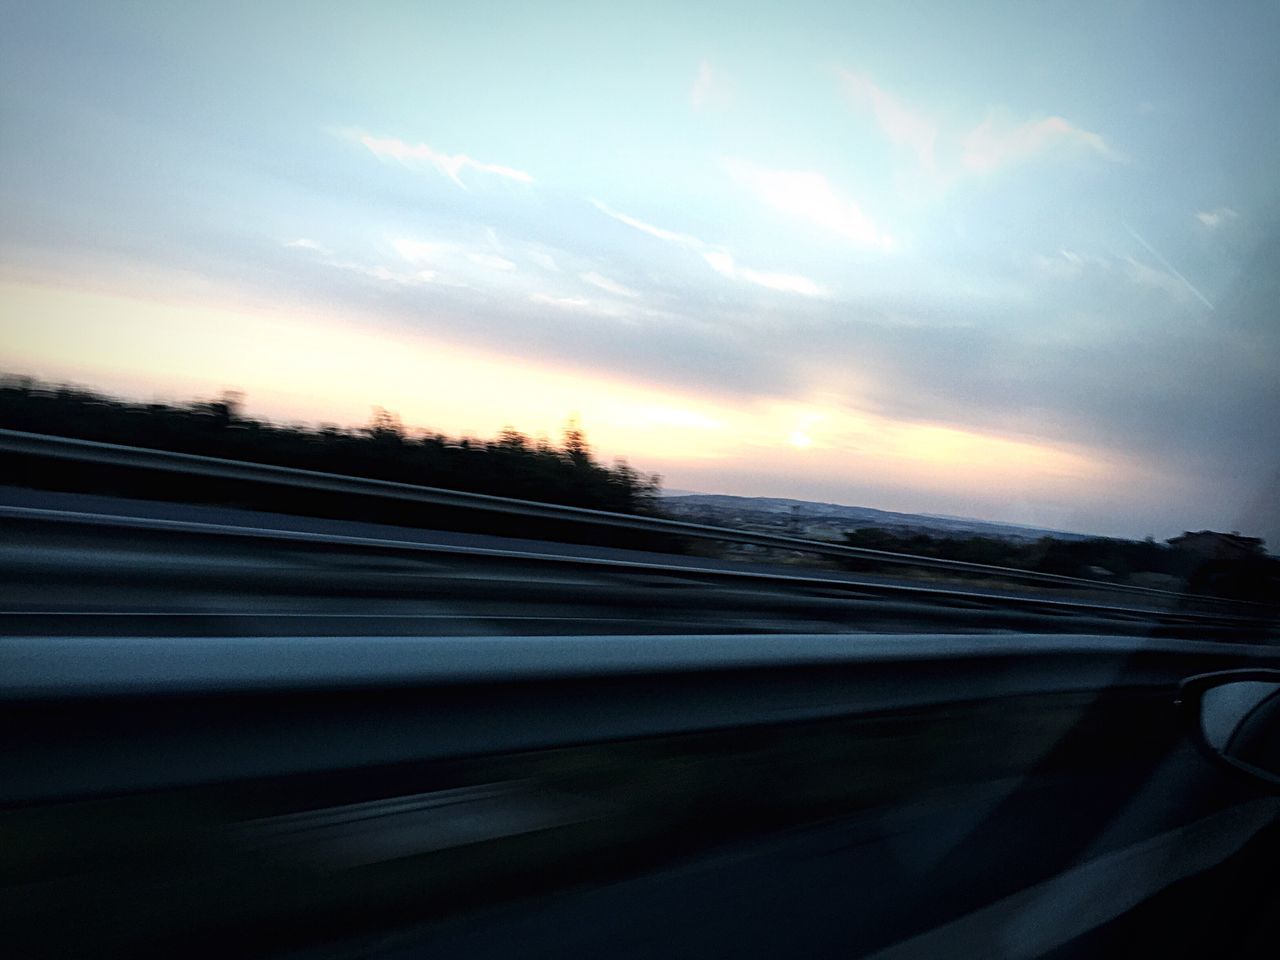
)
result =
(1096, 558)
(510, 465)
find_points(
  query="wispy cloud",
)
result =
(809, 196)
(609, 286)
(410, 250)
(724, 264)
(438, 262)
(720, 259)
(1173, 281)
(564, 303)
(385, 274)
(416, 156)
(450, 255)
(417, 251)
(491, 261)
(1145, 275)
(670, 236)
(902, 125)
(1165, 277)
(1068, 265)
(709, 89)
(583, 305)
(543, 259)
(1217, 217)
(995, 143)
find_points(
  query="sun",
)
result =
(799, 439)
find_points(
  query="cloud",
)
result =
(1217, 217)
(567, 303)
(416, 251)
(670, 236)
(451, 165)
(609, 286)
(1145, 275)
(900, 124)
(491, 261)
(1149, 277)
(720, 259)
(454, 257)
(543, 259)
(1067, 264)
(422, 251)
(437, 262)
(810, 197)
(944, 158)
(585, 307)
(721, 262)
(786, 282)
(724, 264)
(411, 250)
(709, 88)
(994, 144)
(386, 274)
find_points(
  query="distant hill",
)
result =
(829, 521)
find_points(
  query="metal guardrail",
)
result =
(360, 702)
(108, 454)
(926, 595)
(68, 667)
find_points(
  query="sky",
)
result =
(1016, 261)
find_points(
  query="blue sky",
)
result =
(1012, 260)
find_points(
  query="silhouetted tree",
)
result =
(509, 465)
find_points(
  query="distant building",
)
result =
(1218, 546)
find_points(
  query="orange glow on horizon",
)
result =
(333, 370)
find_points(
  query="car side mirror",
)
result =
(1234, 718)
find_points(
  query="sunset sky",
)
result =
(1016, 261)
